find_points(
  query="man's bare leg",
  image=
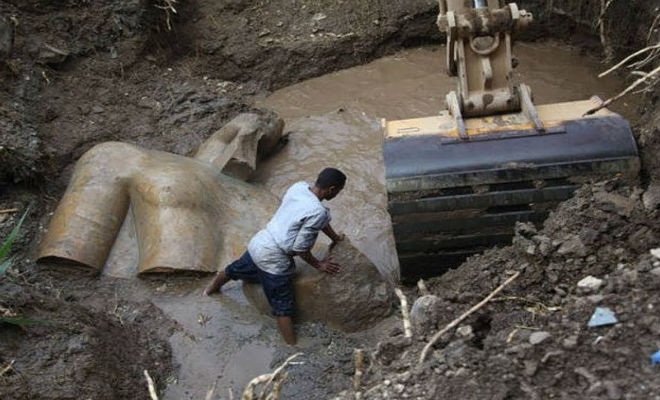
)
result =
(285, 324)
(220, 279)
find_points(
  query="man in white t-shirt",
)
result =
(291, 232)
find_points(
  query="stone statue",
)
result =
(183, 213)
(129, 210)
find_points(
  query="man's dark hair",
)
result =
(330, 177)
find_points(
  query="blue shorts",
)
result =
(278, 288)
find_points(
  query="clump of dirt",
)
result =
(76, 352)
(532, 340)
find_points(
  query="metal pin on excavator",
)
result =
(457, 182)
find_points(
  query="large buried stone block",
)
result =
(354, 299)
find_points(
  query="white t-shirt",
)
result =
(294, 228)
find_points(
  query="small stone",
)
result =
(656, 271)
(425, 313)
(596, 298)
(589, 284)
(651, 198)
(387, 382)
(399, 388)
(560, 291)
(531, 249)
(280, 24)
(644, 266)
(531, 367)
(97, 109)
(539, 337)
(465, 331)
(572, 246)
(655, 253)
(263, 33)
(319, 17)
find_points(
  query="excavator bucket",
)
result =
(455, 190)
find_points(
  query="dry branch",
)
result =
(629, 89)
(630, 57)
(8, 368)
(653, 26)
(423, 290)
(404, 312)
(458, 320)
(9, 210)
(209, 394)
(152, 388)
(276, 376)
(358, 354)
(168, 7)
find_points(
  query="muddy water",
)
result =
(334, 120)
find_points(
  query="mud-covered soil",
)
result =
(79, 351)
(532, 340)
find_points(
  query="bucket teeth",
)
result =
(451, 199)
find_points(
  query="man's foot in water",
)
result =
(220, 279)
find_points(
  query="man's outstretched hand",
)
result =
(328, 266)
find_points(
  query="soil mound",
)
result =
(533, 341)
(78, 353)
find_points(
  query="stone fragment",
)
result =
(539, 337)
(622, 205)
(655, 253)
(651, 198)
(6, 37)
(531, 367)
(644, 266)
(589, 284)
(424, 314)
(51, 55)
(465, 331)
(572, 246)
(319, 17)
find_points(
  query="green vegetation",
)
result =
(7, 316)
(5, 262)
